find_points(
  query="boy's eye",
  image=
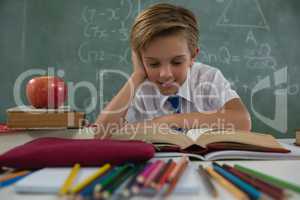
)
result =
(153, 65)
(176, 63)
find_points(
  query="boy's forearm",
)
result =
(115, 111)
(226, 119)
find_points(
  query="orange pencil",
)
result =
(177, 167)
(13, 175)
(165, 176)
(176, 178)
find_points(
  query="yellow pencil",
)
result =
(227, 185)
(91, 178)
(70, 180)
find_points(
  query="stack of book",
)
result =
(27, 117)
(297, 137)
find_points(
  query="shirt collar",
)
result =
(184, 89)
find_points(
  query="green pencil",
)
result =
(270, 179)
(114, 174)
(116, 184)
(126, 192)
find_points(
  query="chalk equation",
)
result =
(256, 54)
(90, 53)
(102, 27)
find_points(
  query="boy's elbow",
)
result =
(244, 123)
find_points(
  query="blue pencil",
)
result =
(11, 181)
(249, 189)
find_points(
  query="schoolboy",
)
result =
(164, 42)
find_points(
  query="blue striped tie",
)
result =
(175, 102)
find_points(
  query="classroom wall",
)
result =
(255, 43)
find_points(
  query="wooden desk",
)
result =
(285, 169)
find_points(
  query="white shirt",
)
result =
(205, 89)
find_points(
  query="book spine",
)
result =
(45, 120)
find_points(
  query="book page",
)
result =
(153, 135)
(177, 154)
(194, 134)
(252, 155)
(242, 137)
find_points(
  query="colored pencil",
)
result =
(90, 179)
(177, 167)
(12, 180)
(108, 180)
(153, 173)
(89, 190)
(270, 179)
(183, 165)
(127, 190)
(70, 180)
(275, 194)
(141, 177)
(161, 172)
(271, 186)
(236, 192)
(206, 179)
(165, 176)
(247, 188)
(13, 175)
(117, 183)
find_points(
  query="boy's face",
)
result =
(167, 60)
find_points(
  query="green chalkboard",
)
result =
(255, 43)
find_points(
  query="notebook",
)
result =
(49, 180)
(294, 154)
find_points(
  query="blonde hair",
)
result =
(162, 20)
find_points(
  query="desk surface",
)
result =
(285, 169)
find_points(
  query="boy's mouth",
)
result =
(168, 84)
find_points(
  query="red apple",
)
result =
(46, 92)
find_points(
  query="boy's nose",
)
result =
(165, 72)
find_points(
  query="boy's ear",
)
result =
(196, 53)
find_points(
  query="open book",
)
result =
(208, 144)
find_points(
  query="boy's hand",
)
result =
(138, 67)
